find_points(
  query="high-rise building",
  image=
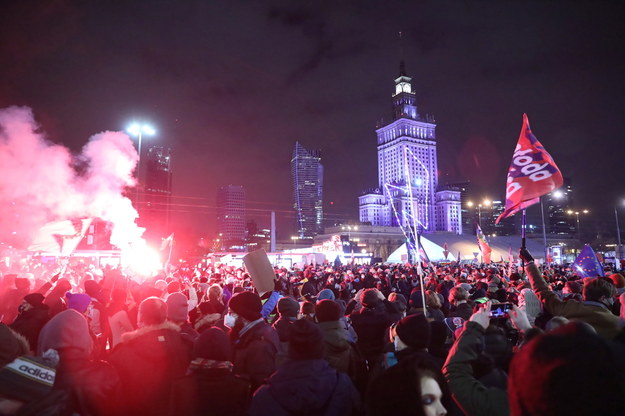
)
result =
(557, 203)
(156, 207)
(307, 175)
(407, 193)
(231, 217)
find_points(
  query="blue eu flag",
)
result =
(587, 264)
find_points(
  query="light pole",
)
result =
(485, 203)
(138, 130)
(294, 239)
(618, 241)
(570, 212)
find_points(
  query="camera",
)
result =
(500, 310)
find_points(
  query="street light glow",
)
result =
(558, 194)
(136, 129)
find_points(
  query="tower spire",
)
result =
(402, 64)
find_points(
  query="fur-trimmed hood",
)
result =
(209, 320)
(167, 325)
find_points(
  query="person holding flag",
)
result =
(483, 245)
(532, 173)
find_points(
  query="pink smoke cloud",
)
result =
(39, 181)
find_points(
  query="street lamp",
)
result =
(570, 212)
(618, 239)
(485, 203)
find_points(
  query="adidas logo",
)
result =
(37, 373)
(32, 370)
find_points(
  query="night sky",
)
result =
(231, 85)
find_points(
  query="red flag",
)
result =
(532, 173)
(483, 245)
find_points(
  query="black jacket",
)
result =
(255, 353)
(309, 387)
(371, 325)
(30, 322)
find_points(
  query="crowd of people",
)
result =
(330, 339)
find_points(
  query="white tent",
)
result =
(432, 250)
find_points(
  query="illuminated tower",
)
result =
(307, 176)
(408, 171)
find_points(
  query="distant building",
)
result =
(556, 204)
(467, 216)
(231, 217)
(407, 193)
(307, 176)
(256, 238)
(155, 210)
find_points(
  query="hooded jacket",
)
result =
(308, 387)
(599, 316)
(148, 360)
(336, 348)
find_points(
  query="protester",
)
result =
(148, 360)
(336, 347)
(255, 342)
(210, 386)
(306, 384)
(598, 298)
(33, 315)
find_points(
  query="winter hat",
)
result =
(466, 286)
(209, 308)
(618, 280)
(22, 283)
(26, 379)
(35, 299)
(414, 331)
(369, 298)
(288, 307)
(327, 311)
(247, 305)
(305, 340)
(152, 311)
(326, 294)
(12, 345)
(213, 344)
(416, 301)
(92, 288)
(78, 301)
(399, 301)
(544, 371)
(177, 307)
(67, 329)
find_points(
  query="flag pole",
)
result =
(523, 224)
(542, 212)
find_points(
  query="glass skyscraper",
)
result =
(307, 176)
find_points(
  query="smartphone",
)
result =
(500, 310)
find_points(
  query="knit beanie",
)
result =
(247, 305)
(12, 345)
(288, 307)
(414, 331)
(305, 340)
(327, 311)
(326, 294)
(92, 288)
(34, 299)
(78, 301)
(177, 307)
(369, 298)
(26, 379)
(67, 329)
(213, 344)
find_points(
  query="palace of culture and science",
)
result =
(407, 194)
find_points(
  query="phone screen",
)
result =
(500, 310)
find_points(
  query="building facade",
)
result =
(307, 177)
(407, 194)
(231, 226)
(155, 210)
